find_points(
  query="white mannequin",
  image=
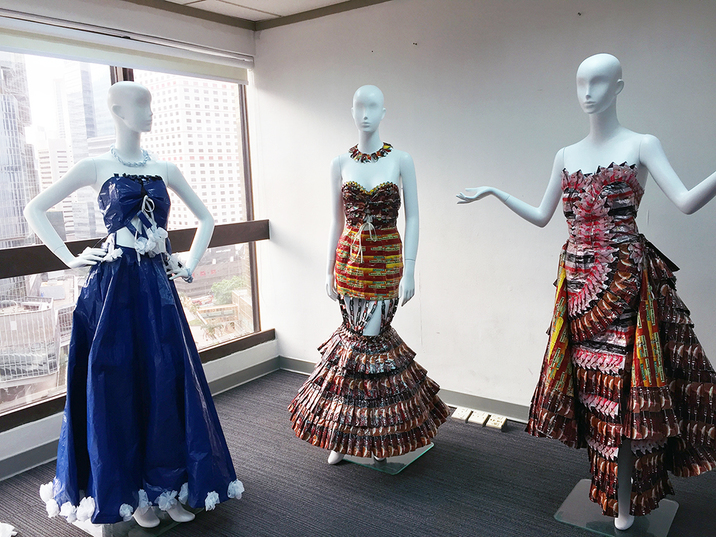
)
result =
(396, 167)
(598, 84)
(129, 104)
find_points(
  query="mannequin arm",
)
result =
(412, 227)
(338, 220)
(80, 175)
(176, 181)
(539, 215)
(652, 155)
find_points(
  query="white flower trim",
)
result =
(236, 488)
(52, 508)
(166, 500)
(46, 492)
(144, 503)
(153, 244)
(211, 500)
(6, 530)
(184, 493)
(126, 511)
(68, 511)
(86, 509)
(48, 496)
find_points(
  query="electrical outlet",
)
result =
(478, 417)
(461, 413)
(496, 422)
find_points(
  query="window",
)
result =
(53, 114)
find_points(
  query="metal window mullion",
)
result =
(249, 202)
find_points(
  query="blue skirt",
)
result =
(139, 425)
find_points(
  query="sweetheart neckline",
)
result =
(600, 169)
(386, 183)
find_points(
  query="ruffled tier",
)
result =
(367, 396)
(692, 378)
(650, 481)
(663, 399)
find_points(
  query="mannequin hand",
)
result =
(406, 290)
(478, 194)
(181, 273)
(89, 256)
(176, 269)
(331, 287)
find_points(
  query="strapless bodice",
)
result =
(601, 207)
(122, 197)
(379, 205)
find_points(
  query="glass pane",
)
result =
(197, 127)
(53, 113)
(35, 326)
(218, 302)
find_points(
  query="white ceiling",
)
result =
(256, 10)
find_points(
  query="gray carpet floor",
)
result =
(474, 482)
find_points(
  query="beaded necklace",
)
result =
(137, 164)
(365, 157)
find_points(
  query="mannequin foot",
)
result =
(624, 522)
(179, 514)
(335, 457)
(147, 519)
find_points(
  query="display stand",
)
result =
(131, 528)
(578, 510)
(390, 465)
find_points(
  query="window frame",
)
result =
(35, 259)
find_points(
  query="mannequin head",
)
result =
(130, 105)
(599, 81)
(368, 109)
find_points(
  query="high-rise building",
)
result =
(18, 178)
(54, 160)
(83, 120)
(196, 126)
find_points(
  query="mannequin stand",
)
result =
(131, 528)
(578, 510)
(391, 465)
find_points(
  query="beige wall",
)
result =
(479, 92)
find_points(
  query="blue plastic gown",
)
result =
(139, 415)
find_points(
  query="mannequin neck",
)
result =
(369, 142)
(128, 143)
(604, 125)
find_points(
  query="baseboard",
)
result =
(245, 375)
(296, 366)
(28, 459)
(511, 411)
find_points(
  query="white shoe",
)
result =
(179, 514)
(147, 519)
(624, 522)
(335, 457)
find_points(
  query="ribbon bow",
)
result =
(365, 226)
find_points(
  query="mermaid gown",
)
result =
(622, 359)
(367, 396)
(139, 426)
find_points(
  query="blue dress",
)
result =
(139, 427)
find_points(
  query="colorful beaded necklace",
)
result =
(365, 157)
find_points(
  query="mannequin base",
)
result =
(131, 528)
(390, 465)
(578, 510)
